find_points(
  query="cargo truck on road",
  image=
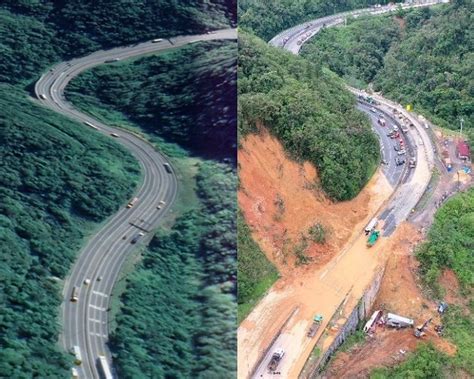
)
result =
(315, 326)
(374, 236)
(276, 359)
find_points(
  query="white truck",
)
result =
(276, 359)
(371, 226)
(398, 322)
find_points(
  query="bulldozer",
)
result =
(420, 329)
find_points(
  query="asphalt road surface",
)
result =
(85, 322)
(409, 185)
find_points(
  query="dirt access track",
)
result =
(283, 317)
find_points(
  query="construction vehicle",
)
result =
(276, 359)
(315, 326)
(374, 236)
(420, 329)
(397, 321)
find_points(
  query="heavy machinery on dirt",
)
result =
(420, 329)
(317, 320)
(374, 236)
(276, 359)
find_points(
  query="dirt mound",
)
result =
(400, 293)
(281, 200)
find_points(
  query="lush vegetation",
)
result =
(256, 273)
(269, 17)
(37, 33)
(186, 96)
(422, 57)
(56, 181)
(178, 318)
(58, 178)
(310, 112)
(450, 242)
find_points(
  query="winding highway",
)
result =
(331, 285)
(94, 274)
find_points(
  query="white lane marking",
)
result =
(100, 293)
(98, 334)
(95, 320)
(96, 307)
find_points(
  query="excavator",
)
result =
(420, 329)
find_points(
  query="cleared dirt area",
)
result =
(281, 200)
(399, 293)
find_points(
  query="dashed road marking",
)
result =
(98, 334)
(96, 307)
(100, 293)
(95, 320)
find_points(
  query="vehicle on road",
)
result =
(412, 163)
(374, 236)
(87, 281)
(91, 125)
(156, 40)
(114, 135)
(373, 110)
(397, 321)
(399, 161)
(43, 96)
(381, 121)
(315, 326)
(167, 168)
(135, 239)
(402, 152)
(132, 203)
(105, 368)
(371, 226)
(75, 294)
(162, 202)
(276, 359)
(76, 350)
(99, 278)
(112, 60)
(74, 373)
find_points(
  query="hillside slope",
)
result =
(421, 57)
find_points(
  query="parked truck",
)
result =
(315, 326)
(276, 359)
(371, 226)
(374, 236)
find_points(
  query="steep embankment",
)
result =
(310, 118)
(421, 57)
(58, 178)
(190, 108)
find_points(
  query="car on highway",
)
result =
(156, 40)
(112, 60)
(373, 110)
(135, 239)
(114, 135)
(162, 202)
(399, 161)
(99, 278)
(87, 281)
(43, 96)
(402, 152)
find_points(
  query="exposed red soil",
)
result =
(400, 293)
(281, 200)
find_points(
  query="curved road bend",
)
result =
(408, 189)
(85, 322)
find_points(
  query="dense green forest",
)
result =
(450, 242)
(186, 96)
(58, 178)
(38, 33)
(256, 273)
(450, 245)
(266, 18)
(56, 181)
(310, 112)
(178, 317)
(421, 57)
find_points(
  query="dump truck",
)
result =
(276, 359)
(374, 236)
(315, 326)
